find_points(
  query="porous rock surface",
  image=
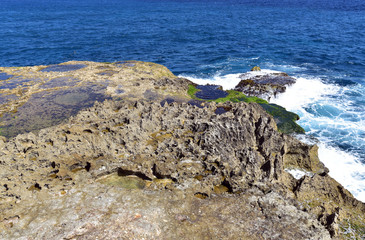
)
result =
(191, 163)
(139, 169)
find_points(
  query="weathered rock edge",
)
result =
(191, 150)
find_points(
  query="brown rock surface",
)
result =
(56, 191)
(42, 96)
(95, 211)
(133, 169)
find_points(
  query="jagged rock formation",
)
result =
(178, 146)
(135, 168)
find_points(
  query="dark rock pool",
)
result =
(63, 68)
(4, 76)
(210, 92)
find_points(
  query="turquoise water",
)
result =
(321, 43)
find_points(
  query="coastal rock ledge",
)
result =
(264, 84)
(137, 168)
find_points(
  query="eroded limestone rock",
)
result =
(176, 149)
(96, 211)
(150, 165)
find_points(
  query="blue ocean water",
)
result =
(320, 42)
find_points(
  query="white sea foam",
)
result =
(304, 92)
(284, 67)
(259, 73)
(328, 123)
(227, 81)
(345, 168)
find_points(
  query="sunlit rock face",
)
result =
(32, 98)
(145, 161)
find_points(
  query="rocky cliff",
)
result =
(148, 163)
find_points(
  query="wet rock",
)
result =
(264, 85)
(60, 82)
(6, 98)
(32, 98)
(167, 101)
(107, 73)
(151, 95)
(63, 68)
(197, 103)
(210, 92)
(4, 76)
(45, 109)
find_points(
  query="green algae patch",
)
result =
(236, 96)
(127, 182)
(285, 120)
(191, 92)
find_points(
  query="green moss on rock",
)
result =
(192, 91)
(285, 120)
(236, 96)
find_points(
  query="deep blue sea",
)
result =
(320, 42)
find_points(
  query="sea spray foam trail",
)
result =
(304, 93)
(228, 81)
